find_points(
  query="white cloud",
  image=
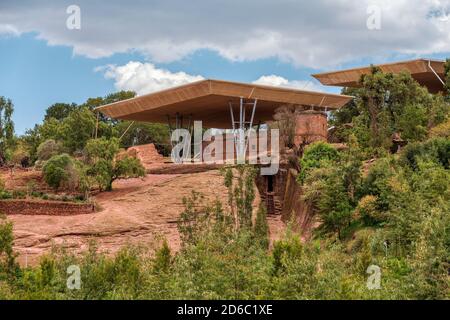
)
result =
(8, 30)
(144, 77)
(277, 81)
(320, 33)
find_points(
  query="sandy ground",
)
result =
(138, 211)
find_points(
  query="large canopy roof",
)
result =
(208, 100)
(421, 70)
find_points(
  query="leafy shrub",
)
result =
(48, 149)
(377, 183)
(316, 155)
(163, 259)
(436, 149)
(331, 187)
(442, 130)
(8, 266)
(285, 250)
(19, 194)
(368, 211)
(5, 195)
(61, 171)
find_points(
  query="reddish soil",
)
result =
(137, 211)
(22, 179)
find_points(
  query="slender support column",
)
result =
(241, 146)
(240, 136)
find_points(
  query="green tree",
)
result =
(31, 140)
(50, 129)
(77, 129)
(61, 171)
(244, 195)
(106, 167)
(106, 127)
(315, 156)
(6, 128)
(261, 228)
(59, 111)
(387, 104)
(8, 266)
(163, 259)
(93, 103)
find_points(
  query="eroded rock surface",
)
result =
(138, 211)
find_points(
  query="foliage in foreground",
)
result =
(224, 255)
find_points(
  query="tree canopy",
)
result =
(105, 166)
(389, 104)
(6, 128)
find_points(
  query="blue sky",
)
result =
(150, 45)
(35, 75)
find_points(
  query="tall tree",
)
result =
(77, 129)
(59, 111)
(6, 127)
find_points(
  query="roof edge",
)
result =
(377, 65)
(210, 81)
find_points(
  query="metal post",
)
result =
(240, 138)
(253, 112)
(232, 115)
(435, 73)
(241, 155)
(251, 123)
(126, 130)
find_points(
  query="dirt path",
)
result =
(138, 211)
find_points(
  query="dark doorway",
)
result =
(269, 183)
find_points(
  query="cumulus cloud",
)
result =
(320, 33)
(145, 77)
(278, 81)
(8, 30)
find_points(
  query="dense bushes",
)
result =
(435, 150)
(48, 149)
(316, 155)
(62, 171)
(8, 267)
(223, 259)
(386, 105)
(330, 182)
(404, 200)
(100, 166)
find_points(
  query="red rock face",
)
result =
(146, 153)
(47, 208)
(311, 126)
